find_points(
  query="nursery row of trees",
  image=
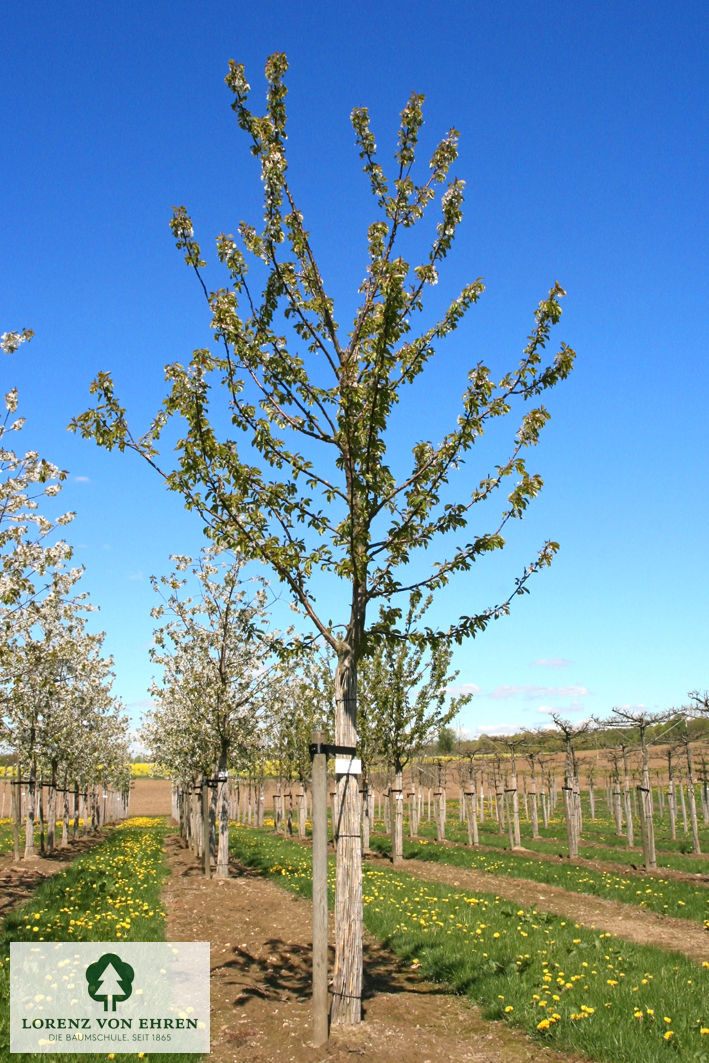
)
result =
(237, 696)
(240, 699)
(66, 732)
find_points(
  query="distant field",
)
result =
(150, 797)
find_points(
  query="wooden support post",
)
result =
(319, 802)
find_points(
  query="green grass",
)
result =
(574, 988)
(598, 842)
(5, 836)
(660, 895)
(109, 893)
(6, 839)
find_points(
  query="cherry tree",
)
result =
(219, 663)
(53, 680)
(57, 696)
(296, 468)
(404, 702)
(305, 702)
(27, 554)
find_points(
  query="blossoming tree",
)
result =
(404, 701)
(218, 661)
(294, 468)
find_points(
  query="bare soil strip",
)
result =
(622, 920)
(260, 985)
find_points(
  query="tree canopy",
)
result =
(286, 445)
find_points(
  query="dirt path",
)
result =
(19, 881)
(260, 991)
(614, 917)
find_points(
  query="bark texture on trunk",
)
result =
(397, 818)
(222, 824)
(347, 977)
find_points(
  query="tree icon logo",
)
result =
(110, 980)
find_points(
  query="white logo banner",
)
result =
(109, 996)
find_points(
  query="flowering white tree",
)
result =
(58, 710)
(54, 684)
(218, 662)
(26, 553)
(306, 700)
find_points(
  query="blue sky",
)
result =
(583, 146)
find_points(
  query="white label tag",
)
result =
(348, 766)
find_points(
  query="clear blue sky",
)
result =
(583, 145)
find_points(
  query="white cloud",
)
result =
(136, 577)
(147, 703)
(497, 729)
(529, 692)
(563, 710)
(551, 662)
(463, 688)
(82, 480)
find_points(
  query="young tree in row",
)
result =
(404, 702)
(301, 477)
(305, 701)
(218, 662)
(57, 700)
(52, 676)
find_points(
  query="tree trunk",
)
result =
(618, 813)
(289, 818)
(534, 807)
(65, 815)
(630, 834)
(31, 802)
(75, 825)
(647, 828)
(277, 809)
(413, 812)
(500, 807)
(516, 838)
(471, 816)
(672, 808)
(397, 818)
(685, 828)
(16, 813)
(571, 822)
(302, 811)
(260, 805)
(367, 800)
(696, 848)
(222, 824)
(204, 828)
(52, 810)
(347, 977)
